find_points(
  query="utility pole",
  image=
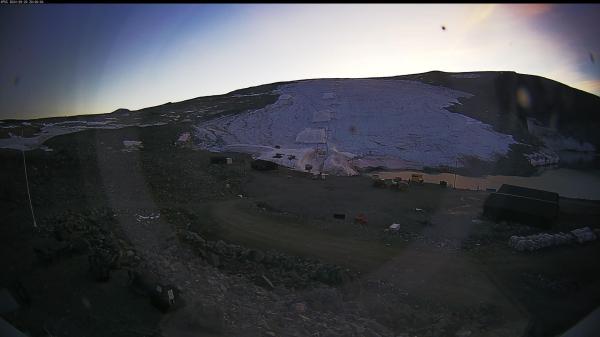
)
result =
(27, 183)
(455, 168)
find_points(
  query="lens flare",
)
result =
(523, 98)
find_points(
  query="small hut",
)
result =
(394, 228)
(263, 165)
(521, 204)
(399, 186)
(416, 178)
(164, 297)
(380, 183)
(220, 160)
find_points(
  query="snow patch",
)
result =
(152, 124)
(248, 95)
(554, 140)
(543, 157)
(390, 123)
(555, 143)
(322, 116)
(184, 137)
(338, 164)
(51, 130)
(132, 145)
(311, 136)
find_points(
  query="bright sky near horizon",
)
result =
(62, 60)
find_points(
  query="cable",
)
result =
(27, 183)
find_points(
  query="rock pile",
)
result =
(584, 234)
(266, 268)
(545, 156)
(88, 232)
(543, 240)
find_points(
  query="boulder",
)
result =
(164, 297)
(213, 259)
(221, 248)
(101, 261)
(256, 256)
(584, 234)
(194, 238)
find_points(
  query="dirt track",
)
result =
(241, 225)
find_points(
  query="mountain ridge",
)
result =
(543, 116)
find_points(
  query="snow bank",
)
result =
(311, 136)
(377, 122)
(132, 145)
(554, 140)
(322, 116)
(50, 130)
(543, 157)
(152, 124)
(338, 164)
(184, 137)
(31, 143)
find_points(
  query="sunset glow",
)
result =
(88, 59)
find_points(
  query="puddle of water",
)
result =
(583, 184)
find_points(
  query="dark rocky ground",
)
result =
(273, 262)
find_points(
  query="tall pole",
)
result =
(455, 168)
(27, 182)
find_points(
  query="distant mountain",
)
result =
(409, 123)
(482, 122)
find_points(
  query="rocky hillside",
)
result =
(482, 122)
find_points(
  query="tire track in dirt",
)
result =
(262, 231)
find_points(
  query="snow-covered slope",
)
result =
(337, 126)
(341, 125)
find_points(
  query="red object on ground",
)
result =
(361, 219)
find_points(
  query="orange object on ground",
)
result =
(361, 219)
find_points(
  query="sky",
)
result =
(72, 59)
